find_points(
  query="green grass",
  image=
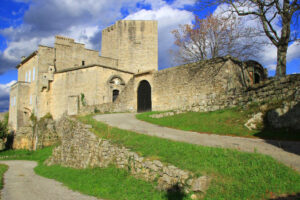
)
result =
(107, 183)
(236, 175)
(223, 122)
(3, 169)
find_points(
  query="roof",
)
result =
(26, 59)
(92, 65)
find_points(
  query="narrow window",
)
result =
(83, 63)
(33, 74)
(29, 76)
(115, 94)
(26, 77)
(14, 101)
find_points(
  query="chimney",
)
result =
(23, 57)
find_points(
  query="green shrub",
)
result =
(3, 129)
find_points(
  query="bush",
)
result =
(3, 129)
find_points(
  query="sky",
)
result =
(24, 24)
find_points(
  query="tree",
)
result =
(276, 18)
(214, 36)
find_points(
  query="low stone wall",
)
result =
(102, 108)
(80, 148)
(274, 89)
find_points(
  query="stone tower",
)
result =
(133, 43)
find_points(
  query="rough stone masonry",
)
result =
(80, 148)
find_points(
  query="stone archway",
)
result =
(144, 101)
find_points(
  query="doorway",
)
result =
(144, 97)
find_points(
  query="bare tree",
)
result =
(212, 37)
(276, 17)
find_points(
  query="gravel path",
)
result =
(20, 182)
(283, 151)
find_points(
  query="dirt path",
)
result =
(283, 151)
(20, 182)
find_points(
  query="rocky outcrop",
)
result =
(80, 148)
(255, 121)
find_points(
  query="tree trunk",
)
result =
(281, 60)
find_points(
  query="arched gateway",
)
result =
(144, 102)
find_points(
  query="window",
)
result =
(83, 63)
(30, 100)
(33, 74)
(26, 77)
(115, 94)
(29, 76)
(14, 101)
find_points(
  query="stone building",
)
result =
(68, 78)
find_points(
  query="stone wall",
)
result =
(184, 86)
(43, 135)
(274, 89)
(80, 148)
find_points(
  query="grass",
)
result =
(3, 169)
(236, 175)
(223, 122)
(107, 183)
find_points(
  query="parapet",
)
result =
(63, 40)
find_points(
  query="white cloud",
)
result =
(4, 95)
(293, 51)
(81, 20)
(182, 3)
(168, 19)
(271, 67)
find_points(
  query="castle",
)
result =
(68, 78)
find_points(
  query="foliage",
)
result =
(4, 126)
(82, 98)
(279, 20)
(212, 37)
(3, 130)
(33, 118)
(6, 117)
(96, 110)
(3, 169)
(236, 175)
(224, 122)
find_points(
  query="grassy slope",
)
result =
(108, 183)
(224, 122)
(237, 175)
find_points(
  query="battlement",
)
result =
(63, 40)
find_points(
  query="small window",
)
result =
(115, 94)
(83, 63)
(33, 74)
(29, 76)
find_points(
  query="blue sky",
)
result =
(26, 23)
